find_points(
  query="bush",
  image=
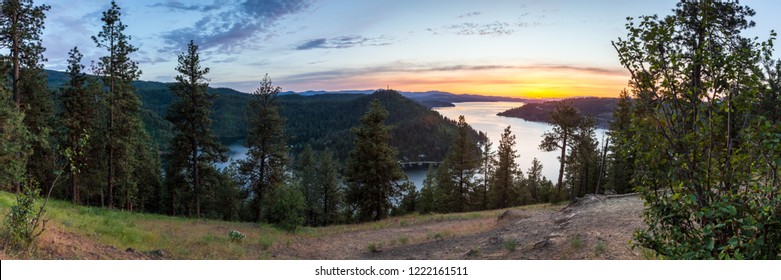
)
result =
(23, 221)
(236, 236)
(286, 208)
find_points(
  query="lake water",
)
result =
(482, 117)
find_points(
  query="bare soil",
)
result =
(594, 227)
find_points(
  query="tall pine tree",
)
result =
(267, 157)
(372, 167)
(193, 148)
(461, 163)
(502, 193)
(124, 135)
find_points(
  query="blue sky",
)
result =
(524, 48)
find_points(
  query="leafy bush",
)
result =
(23, 222)
(236, 236)
(509, 245)
(286, 209)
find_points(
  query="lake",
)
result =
(482, 117)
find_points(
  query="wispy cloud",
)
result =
(400, 67)
(177, 5)
(470, 14)
(342, 42)
(235, 27)
(496, 28)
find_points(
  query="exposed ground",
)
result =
(595, 227)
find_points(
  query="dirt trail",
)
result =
(595, 227)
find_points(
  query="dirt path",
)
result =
(595, 227)
(57, 244)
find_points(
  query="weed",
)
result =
(473, 252)
(265, 242)
(403, 239)
(576, 242)
(375, 247)
(236, 236)
(509, 245)
(403, 223)
(599, 248)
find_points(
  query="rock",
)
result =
(512, 215)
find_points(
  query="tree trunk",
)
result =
(196, 179)
(561, 166)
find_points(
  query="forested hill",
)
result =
(599, 108)
(322, 120)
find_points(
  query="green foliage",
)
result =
(23, 222)
(564, 120)
(457, 172)
(236, 236)
(193, 150)
(510, 245)
(14, 146)
(267, 155)
(503, 192)
(372, 169)
(706, 155)
(286, 208)
(306, 171)
(374, 247)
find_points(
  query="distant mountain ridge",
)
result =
(321, 119)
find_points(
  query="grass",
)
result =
(403, 240)
(576, 243)
(599, 247)
(510, 245)
(374, 247)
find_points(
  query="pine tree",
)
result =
(582, 159)
(267, 155)
(486, 170)
(328, 178)
(372, 167)
(565, 120)
(14, 145)
(461, 163)
(193, 148)
(123, 129)
(306, 171)
(427, 199)
(78, 117)
(502, 193)
(621, 159)
(534, 180)
(21, 26)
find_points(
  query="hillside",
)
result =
(599, 108)
(595, 227)
(321, 119)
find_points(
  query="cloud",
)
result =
(400, 67)
(470, 14)
(237, 26)
(497, 28)
(176, 5)
(343, 42)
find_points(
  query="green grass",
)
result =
(576, 243)
(510, 245)
(599, 247)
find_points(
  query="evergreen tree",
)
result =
(564, 120)
(123, 129)
(461, 165)
(502, 193)
(306, 171)
(582, 166)
(78, 117)
(486, 169)
(372, 168)
(534, 181)
(621, 162)
(427, 199)
(14, 144)
(328, 178)
(21, 26)
(193, 149)
(267, 155)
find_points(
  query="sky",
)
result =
(522, 48)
